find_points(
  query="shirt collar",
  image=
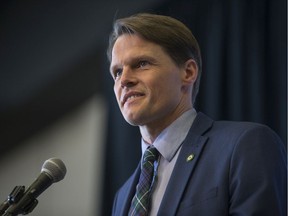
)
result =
(171, 138)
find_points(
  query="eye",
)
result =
(142, 64)
(117, 73)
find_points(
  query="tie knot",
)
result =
(151, 154)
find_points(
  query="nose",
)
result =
(127, 78)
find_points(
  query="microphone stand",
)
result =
(9, 207)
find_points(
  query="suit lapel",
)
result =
(127, 193)
(190, 153)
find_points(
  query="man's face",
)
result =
(148, 84)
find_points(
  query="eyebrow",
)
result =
(136, 59)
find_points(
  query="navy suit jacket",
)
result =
(239, 168)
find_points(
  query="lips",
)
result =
(129, 96)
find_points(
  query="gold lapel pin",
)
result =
(190, 157)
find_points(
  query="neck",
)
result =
(150, 132)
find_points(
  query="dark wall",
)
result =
(52, 59)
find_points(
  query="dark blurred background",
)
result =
(53, 59)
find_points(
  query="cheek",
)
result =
(169, 84)
(165, 90)
(117, 92)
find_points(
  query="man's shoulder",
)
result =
(230, 125)
(236, 129)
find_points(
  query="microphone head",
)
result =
(55, 169)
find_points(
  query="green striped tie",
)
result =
(141, 201)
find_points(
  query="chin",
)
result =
(133, 121)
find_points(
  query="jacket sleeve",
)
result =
(258, 174)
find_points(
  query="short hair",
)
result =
(172, 35)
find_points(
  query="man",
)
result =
(204, 167)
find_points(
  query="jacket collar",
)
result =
(190, 153)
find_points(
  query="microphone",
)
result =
(53, 170)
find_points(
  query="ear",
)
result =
(190, 72)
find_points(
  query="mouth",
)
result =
(129, 96)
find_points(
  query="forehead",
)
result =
(130, 41)
(130, 47)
